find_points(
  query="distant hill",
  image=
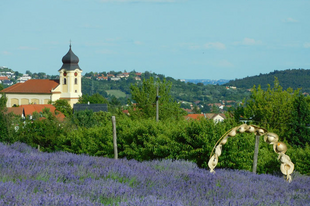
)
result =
(294, 78)
(208, 81)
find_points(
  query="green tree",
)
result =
(185, 105)
(145, 94)
(43, 129)
(5, 121)
(93, 99)
(196, 110)
(28, 72)
(84, 118)
(63, 106)
(3, 101)
(299, 122)
(205, 108)
(272, 108)
(215, 109)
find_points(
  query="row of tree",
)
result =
(294, 78)
(286, 112)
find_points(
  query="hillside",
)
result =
(294, 78)
(208, 81)
(200, 94)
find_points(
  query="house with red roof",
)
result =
(42, 91)
(3, 78)
(212, 116)
(28, 110)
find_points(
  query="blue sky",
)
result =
(183, 39)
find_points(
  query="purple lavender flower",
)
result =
(29, 177)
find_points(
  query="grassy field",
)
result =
(116, 93)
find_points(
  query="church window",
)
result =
(65, 81)
(75, 81)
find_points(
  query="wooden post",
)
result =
(114, 138)
(256, 153)
(157, 104)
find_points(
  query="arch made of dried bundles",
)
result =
(286, 167)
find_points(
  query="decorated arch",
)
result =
(286, 167)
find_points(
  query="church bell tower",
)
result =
(70, 78)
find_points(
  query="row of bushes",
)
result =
(148, 140)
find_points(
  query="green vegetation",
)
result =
(145, 96)
(285, 112)
(116, 93)
(198, 94)
(290, 78)
(63, 106)
(141, 137)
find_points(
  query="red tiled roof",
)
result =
(15, 110)
(4, 78)
(188, 110)
(206, 115)
(30, 108)
(210, 115)
(126, 112)
(213, 115)
(194, 116)
(35, 86)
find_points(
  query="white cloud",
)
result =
(307, 45)
(290, 20)
(194, 46)
(113, 39)
(248, 42)
(191, 46)
(106, 51)
(138, 42)
(208, 45)
(215, 45)
(27, 48)
(6, 53)
(224, 63)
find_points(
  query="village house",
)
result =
(2, 78)
(211, 116)
(42, 91)
(27, 110)
(24, 78)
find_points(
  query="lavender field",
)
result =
(29, 177)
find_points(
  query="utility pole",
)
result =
(157, 97)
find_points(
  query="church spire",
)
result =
(70, 60)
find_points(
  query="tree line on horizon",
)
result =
(290, 78)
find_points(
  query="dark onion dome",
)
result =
(70, 61)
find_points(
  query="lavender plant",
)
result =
(30, 177)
